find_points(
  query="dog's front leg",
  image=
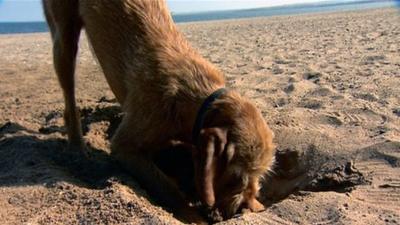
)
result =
(155, 182)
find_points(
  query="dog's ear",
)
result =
(212, 142)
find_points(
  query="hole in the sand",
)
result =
(312, 172)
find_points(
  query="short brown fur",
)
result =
(160, 82)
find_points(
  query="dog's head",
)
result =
(234, 151)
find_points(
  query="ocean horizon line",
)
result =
(185, 17)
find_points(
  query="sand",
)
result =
(328, 85)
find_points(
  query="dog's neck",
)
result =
(201, 113)
(192, 114)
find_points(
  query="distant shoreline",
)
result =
(41, 26)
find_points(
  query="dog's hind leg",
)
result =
(65, 26)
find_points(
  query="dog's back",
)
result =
(136, 42)
(118, 35)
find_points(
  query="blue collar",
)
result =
(201, 114)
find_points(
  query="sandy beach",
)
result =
(327, 84)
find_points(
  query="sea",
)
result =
(326, 6)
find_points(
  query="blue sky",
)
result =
(31, 10)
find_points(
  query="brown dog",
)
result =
(169, 93)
